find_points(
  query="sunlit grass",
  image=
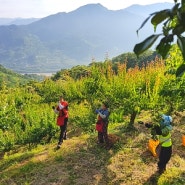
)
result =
(81, 161)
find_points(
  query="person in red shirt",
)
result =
(62, 110)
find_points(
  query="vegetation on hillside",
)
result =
(27, 120)
(11, 79)
(27, 117)
(132, 59)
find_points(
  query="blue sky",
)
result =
(42, 8)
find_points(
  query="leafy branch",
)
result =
(173, 28)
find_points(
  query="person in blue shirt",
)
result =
(102, 125)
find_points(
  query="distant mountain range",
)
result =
(67, 39)
(17, 21)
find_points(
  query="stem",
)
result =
(132, 118)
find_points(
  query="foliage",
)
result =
(173, 21)
(11, 79)
(23, 120)
(76, 72)
(132, 60)
(27, 118)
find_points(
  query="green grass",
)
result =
(81, 162)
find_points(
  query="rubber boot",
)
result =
(161, 170)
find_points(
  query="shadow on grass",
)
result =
(148, 158)
(153, 179)
(79, 161)
(20, 174)
(90, 165)
(6, 163)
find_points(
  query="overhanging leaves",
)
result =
(163, 49)
(180, 71)
(145, 21)
(181, 44)
(175, 9)
(160, 17)
(179, 29)
(173, 26)
(146, 44)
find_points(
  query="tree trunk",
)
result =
(132, 118)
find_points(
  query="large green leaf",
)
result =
(163, 48)
(181, 44)
(146, 44)
(183, 3)
(175, 9)
(178, 29)
(180, 71)
(160, 17)
(146, 20)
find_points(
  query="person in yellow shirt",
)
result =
(162, 132)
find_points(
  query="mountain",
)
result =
(17, 21)
(145, 10)
(67, 39)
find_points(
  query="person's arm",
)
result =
(60, 106)
(56, 110)
(104, 115)
(65, 111)
(169, 127)
(63, 105)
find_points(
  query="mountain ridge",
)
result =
(64, 39)
(17, 21)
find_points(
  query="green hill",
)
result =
(81, 162)
(132, 59)
(10, 78)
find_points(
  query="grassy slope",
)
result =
(81, 162)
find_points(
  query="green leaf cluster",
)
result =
(173, 28)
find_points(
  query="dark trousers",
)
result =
(63, 130)
(103, 136)
(164, 157)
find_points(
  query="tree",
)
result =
(173, 28)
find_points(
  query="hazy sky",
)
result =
(42, 8)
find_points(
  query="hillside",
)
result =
(11, 79)
(64, 40)
(145, 10)
(132, 60)
(28, 131)
(81, 161)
